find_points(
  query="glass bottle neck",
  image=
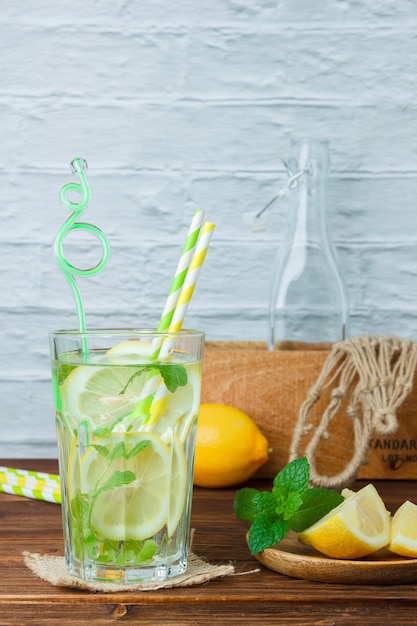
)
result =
(308, 200)
(308, 211)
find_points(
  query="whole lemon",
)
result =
(229, 448)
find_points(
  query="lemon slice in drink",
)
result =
(178, 487)
(102, 394)
(94, 393)
(137, 510)
(130, 352)
(181, 409)
(357, 527)
(404, 530)
(84, 472)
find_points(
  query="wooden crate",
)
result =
(271, 386)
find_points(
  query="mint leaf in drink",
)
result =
(138, 448)
(174, 376)
(117, 479)
(118, 452)
(103, 450)
(80, 509)
(290, 504)
(148, 551)
(316, 504)
(141, 370)
(106, 430)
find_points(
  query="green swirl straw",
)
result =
(78, 166)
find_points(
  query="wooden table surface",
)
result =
(264, 597)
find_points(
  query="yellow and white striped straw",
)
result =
(35, 494)
(31, 484)
(153, 383)
(191, 278)
(184, 300)
(181, 271)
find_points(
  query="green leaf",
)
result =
(174, 376)
(289, 484)
(295, 476)
(150, 548)
(316, 504)
(118, 452)
(291, 504)
(141, 370)
(108, 552)
(103, 450)
(138, 448)
(64, 371)
(99, 432)
(117, 479)
(266, 531)
(80, 508)
(106, 430)
(250, 502)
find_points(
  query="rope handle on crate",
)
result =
(377, 374)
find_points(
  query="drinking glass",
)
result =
(126, 403)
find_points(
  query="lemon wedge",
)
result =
(357, 527)
(404, 530)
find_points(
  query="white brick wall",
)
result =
(183, 104)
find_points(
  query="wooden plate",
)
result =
(294, 559)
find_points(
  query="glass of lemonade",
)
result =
(126, 404)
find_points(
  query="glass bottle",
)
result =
(308, 305)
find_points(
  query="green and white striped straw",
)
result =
(152, 384)
(181, 271)
(174, 294)
(30, 484)
(191, 278)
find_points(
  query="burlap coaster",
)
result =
(53, 570)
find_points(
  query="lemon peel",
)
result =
(404, 530)
(356, 528)
(230, 447)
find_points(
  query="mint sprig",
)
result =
(291, 504)
(174, 376)
(117, 479)
(120, 451)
